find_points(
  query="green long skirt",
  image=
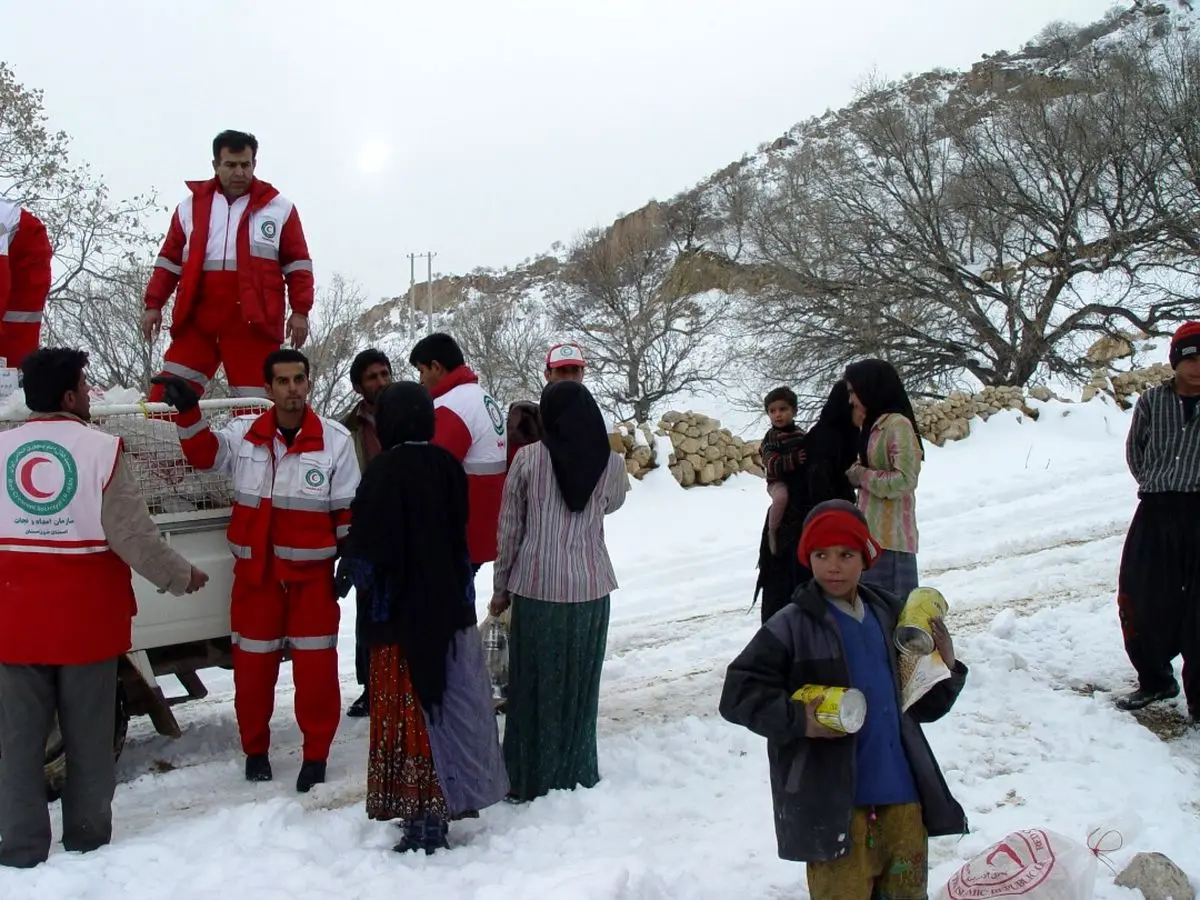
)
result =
(556, 652)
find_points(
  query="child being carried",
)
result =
(782, 454)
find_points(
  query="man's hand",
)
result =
(500, 602)
(177, 392)
(297, 327)
(942, 642)
(813, 727)
(198, 580)
(151, 324)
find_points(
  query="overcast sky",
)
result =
(484, 130)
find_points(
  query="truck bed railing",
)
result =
(169, 485)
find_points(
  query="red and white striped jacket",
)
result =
(258, 235)
(25, 258)
(291, 505)
(471, 425)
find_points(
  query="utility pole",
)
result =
(412, 292)
(429, 268)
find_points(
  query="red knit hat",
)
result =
(837, 523)
(1185, 343)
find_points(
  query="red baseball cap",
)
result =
(564, 355)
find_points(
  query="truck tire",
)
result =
(56, 758)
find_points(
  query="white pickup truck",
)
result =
(171, 635)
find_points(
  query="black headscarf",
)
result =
(574, 433)
(409, 524)
(880, 390)
(832, 447)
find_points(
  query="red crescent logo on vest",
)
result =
(41, 478)
(26, 476)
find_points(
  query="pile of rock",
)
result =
(636, 443)
(1123, 386)
(949, 420)
(705, 453)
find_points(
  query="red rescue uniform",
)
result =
(291, 508)
(228, 262)
(25, 257)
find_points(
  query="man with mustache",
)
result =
(233, 245)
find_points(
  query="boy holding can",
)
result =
(858, 809)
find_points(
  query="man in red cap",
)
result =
(1158, 594)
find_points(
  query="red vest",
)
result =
(65, 597)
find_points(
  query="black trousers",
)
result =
(1158, 595)
(84, 697)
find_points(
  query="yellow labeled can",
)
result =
(914, 630)
(841, 709)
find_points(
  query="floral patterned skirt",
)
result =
(402, 782)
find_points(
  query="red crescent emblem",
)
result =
(26, 477)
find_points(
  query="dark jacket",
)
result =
(780, 573)
(813, 780)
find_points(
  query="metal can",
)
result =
(842, 709)
(914, 630)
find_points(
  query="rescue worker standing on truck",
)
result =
(294, 475)
(232, 246)
(72, 523)
(25, 256)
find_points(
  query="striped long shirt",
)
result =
(547, 552)
(887, 494)
(1163, 446)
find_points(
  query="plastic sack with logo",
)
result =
(1033, 864)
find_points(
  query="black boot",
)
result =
(360, 708)
(258, 767)
(427, 833)
(1141, 698)
(310, 773)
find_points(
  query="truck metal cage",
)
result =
(168, 484)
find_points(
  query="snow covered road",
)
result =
(1021, 529)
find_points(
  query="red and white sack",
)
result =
(1033, 864)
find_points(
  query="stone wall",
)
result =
(949, 420)
(702, 452)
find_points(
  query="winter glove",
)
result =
(343, 579)
(177, 392)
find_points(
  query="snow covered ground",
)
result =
(1021, 529)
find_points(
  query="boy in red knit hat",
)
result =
(1158, 594)
(858, 809)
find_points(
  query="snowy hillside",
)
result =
(1022, 527)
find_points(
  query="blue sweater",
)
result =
(884, 776)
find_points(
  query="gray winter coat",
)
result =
(813, 780)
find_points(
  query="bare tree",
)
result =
(994, 240)
(504, 339)
(95, 238)
(336, 336)
(626, 293)
(103, 316)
